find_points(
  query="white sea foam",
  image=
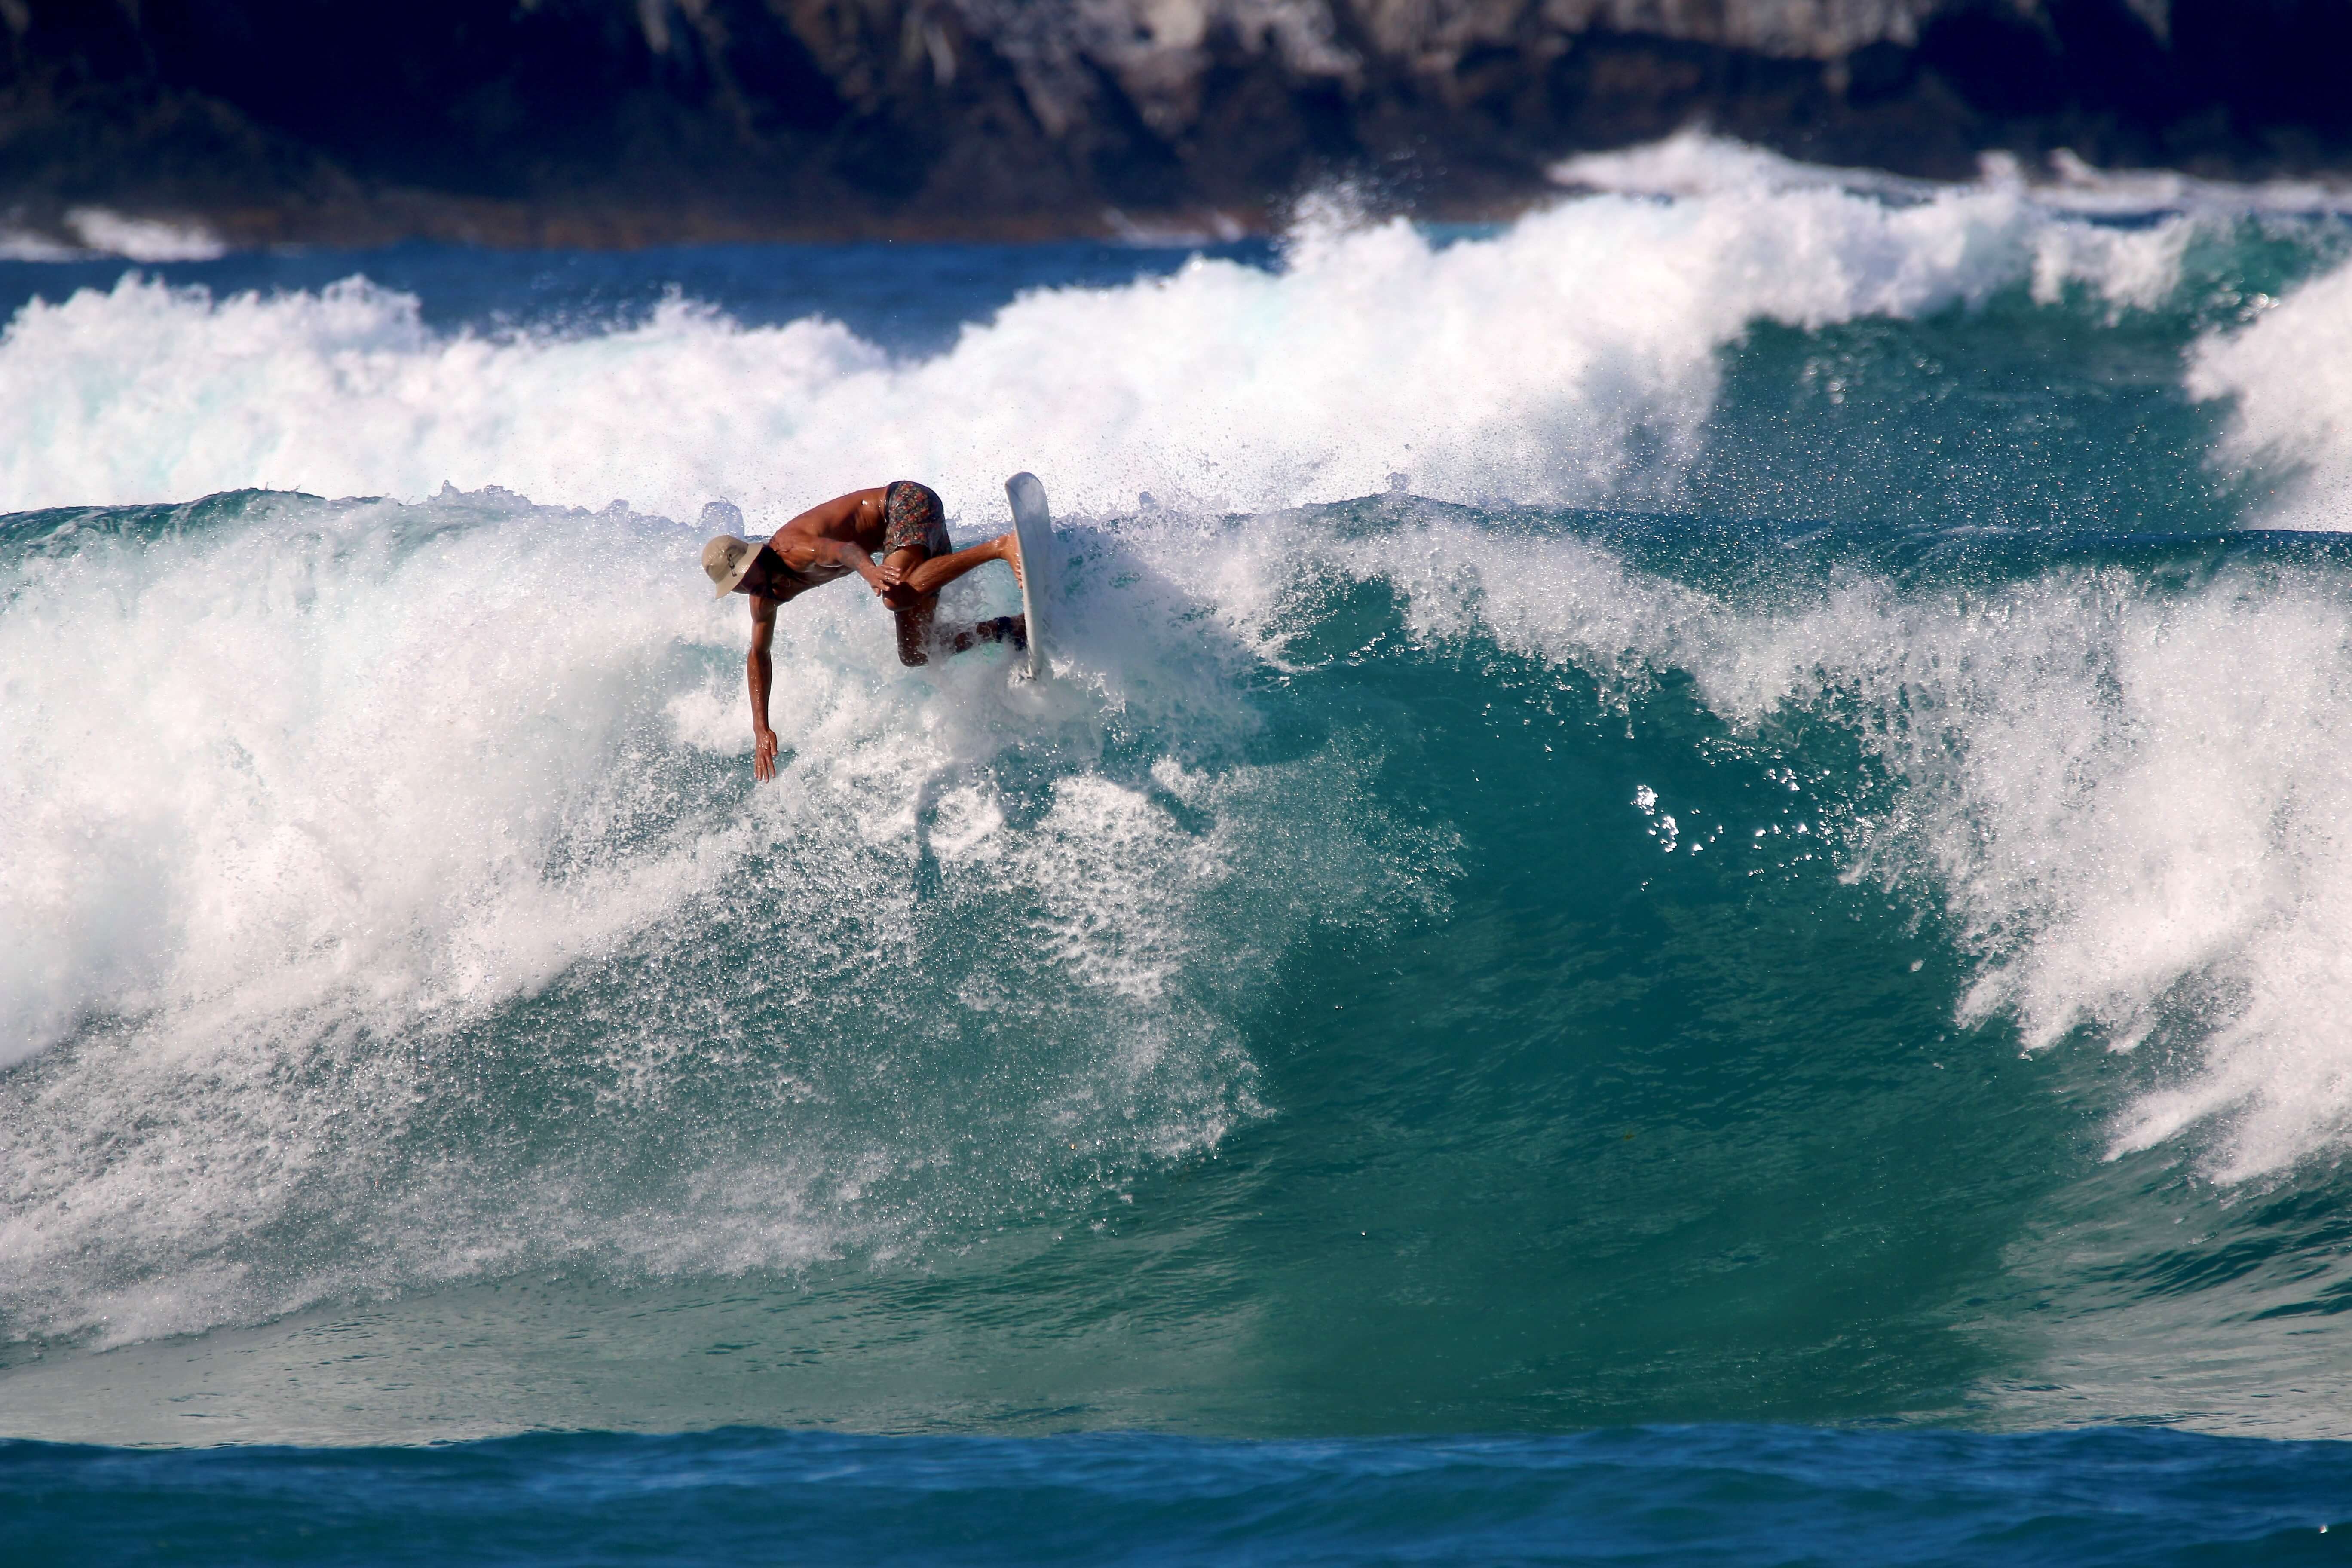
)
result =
(2289, 375)
(143, 239)
(303, 799)
(1694, 163)
(1571, 358)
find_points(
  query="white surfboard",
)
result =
(1033, 525)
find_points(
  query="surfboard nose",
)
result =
(1033, 525)
(1026, 493)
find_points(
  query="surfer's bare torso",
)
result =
(830, 540)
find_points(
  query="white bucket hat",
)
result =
(727, 558)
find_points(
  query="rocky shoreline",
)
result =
(627, 123)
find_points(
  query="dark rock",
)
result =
(621, 121)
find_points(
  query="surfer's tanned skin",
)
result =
(843, 535)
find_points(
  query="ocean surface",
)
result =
(1683, 893)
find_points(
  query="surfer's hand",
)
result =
(893, 576)
(763, 755)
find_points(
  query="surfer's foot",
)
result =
(1013, 629)
(1010, 543)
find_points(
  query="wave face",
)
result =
(1713, 806)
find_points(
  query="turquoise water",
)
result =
(1716, 810)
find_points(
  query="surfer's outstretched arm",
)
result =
(759, 672)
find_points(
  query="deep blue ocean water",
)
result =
(1680, 894)
(1695, 1495)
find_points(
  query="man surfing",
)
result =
(900, 520)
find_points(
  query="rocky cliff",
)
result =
(624, 120)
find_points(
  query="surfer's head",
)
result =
(730, 560)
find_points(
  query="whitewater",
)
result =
(1723, 803)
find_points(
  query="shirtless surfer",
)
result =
(900, 520)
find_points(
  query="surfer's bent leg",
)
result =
(915, 539)
(945, 566)
(919, 635)
(914, 528)
(915, 632)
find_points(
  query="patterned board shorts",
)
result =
(911, 519)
